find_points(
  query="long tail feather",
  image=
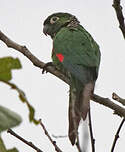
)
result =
(85, 99)
(74, 117)
(79, 105)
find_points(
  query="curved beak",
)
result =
(45, 29)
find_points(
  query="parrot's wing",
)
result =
(78, 52)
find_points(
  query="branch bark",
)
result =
(122, 101)
(117, 135)
(22, 49)
(57, 149)
(119, 99)
(91, 132)
(24, 141)
(119, 14)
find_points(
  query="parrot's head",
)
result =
(56, 21)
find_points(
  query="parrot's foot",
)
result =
(45, 67)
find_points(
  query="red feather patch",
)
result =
(60, 57)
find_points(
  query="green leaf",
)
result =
(8, 119)
(12, 150)
(6, 65)
(3, 148)
(24, 99)
(32, 112)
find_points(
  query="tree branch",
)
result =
(91, 132)
(117, 135)
(59, 136)
(120, 17)
(47, 134)
(108, 103)
(119, 99)
(22, 49)
(122, 101)
(24, 141)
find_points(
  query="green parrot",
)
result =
(77, 55)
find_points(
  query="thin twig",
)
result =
(47, 134)
(120, 17)
(59, 136)
(120, 111)
(117, 135)
(122, 101)
(104, 101)
(91, 132)
(23, 140)
(119, 99)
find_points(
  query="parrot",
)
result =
(76, 54)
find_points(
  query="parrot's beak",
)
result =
(45, 30)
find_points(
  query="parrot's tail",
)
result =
(79, 105)
(85, 99)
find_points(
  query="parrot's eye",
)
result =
(54, 19)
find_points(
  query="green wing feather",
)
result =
(79, 50)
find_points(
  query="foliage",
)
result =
(3, 148)
(8, 118)
(6, 65)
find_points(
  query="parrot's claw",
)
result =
(45, 67)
